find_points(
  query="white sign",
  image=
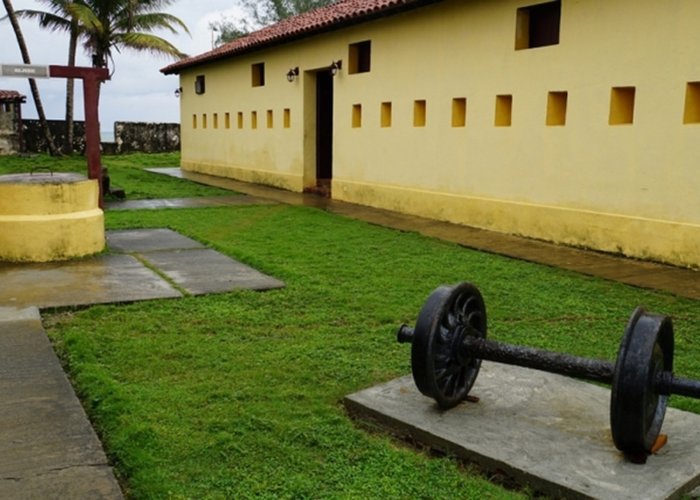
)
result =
(24, 70)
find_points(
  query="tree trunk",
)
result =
(32, 83)
(70, 86)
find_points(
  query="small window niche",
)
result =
(356, 115)
(227, 120)
(691, 113)
(199, 86)
(504, 110)
(419, 113)
(204, 120)
(622, 105)
(253, 120)
(360, 57)
(556, 108)
(194, 121)
(385, 115)
(270, 119)
(459, 112)
(215, 120)
(538, 25)
(287, 117)
(258, 74)
(239, 120)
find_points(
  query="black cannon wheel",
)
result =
(637, 408)
(441, 370)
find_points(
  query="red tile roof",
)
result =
(336, 15)
(11, 96)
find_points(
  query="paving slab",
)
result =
(544, 430)
(98, 280)
(148, 240)
(199, 202)
(49, 449)
(203, 271)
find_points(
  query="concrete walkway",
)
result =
(49, 449)
(678, 281)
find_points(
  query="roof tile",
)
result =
(10, 95)
(306, 24)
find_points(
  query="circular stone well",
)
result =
(46, 217)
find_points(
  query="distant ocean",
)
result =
(106, 135)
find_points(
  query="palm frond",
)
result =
(149, 43)
(47, 20)
(156, 20)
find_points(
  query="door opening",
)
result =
(324, 132)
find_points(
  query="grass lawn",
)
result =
(125, 171)
(238, 395)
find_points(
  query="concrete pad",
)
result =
(208, 271)
(100, 280)
(49, 449)
(148, 240)
(547, 431)
(19, 314)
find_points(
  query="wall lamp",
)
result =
(336, 66)
(292, 74)
(178, 92)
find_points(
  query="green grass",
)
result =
(126, 171)
(238, 395)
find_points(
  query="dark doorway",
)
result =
(324, 132)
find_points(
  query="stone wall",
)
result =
(129, 137)
(35, 142)
(146, 137)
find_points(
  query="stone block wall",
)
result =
(129, 137)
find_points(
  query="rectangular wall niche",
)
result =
(215, 120)
(556, 108)
(419, 113)
(459, 112)
(258, 74)
(204, 120)
(622, 106)
(691, 114)
(287, 117)
(227, 120)
(194, 121)
(199, 84)
(386, 114)
(359, 57)
(504, 110)
(240, 119)
(253, 119)
(537, 25)
(356, 115)
(270, 118)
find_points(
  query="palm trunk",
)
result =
(70, 85)
(32, 83)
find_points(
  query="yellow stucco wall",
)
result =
(630, 188)
(49, 221)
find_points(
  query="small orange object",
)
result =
(660, 442)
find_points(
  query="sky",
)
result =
(138, 91)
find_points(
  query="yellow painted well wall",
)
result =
(629, 188)
(50, 221)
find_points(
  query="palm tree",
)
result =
(32, 82)
(104, 26)
(58, 19)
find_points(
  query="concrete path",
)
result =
(204, 201)
(678, 281)
(49, 449)
(544, 430)
(150, 264)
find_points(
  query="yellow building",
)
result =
(573, 121)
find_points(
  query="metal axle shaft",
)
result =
(563, 364)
